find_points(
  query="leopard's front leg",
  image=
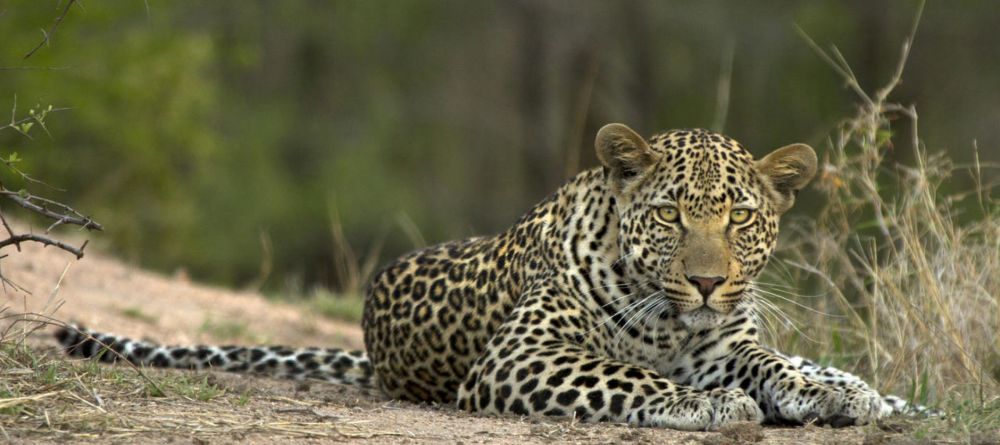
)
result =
(784, 392)
(794, 396)
(531, 367)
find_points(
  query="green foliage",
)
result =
(196, 130)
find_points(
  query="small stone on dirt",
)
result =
(632, 435)
(985, 438)
(894, 426)
(743, 432)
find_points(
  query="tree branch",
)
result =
(16, 240)
(64, 215)
(34, 68)
(57, 211)
(52, 29)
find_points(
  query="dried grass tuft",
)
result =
(904, 268)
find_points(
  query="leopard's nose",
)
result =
(706, 285)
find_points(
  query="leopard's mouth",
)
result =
(725, 300)
(687, 300)
(681, 299)
(717, 304)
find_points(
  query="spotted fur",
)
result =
(593, 305)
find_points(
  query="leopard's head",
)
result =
(698, 216)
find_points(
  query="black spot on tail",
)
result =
(73, 340)
(63, 335)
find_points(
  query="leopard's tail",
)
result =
(327, 364)
(897, 405)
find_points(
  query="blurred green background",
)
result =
(213, 137)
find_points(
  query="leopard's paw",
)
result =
(805, 401)
(708, 410)
(733, 405)
(859, 406)
(824, 404)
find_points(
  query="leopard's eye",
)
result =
(740, 216)
(668, 214)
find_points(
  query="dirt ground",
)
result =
(108, 295)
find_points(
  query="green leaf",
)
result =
(837, 346)
(882, 137)
(924, 390)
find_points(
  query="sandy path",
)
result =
(108, 295)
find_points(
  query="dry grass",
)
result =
(45, 396)
(903, 270)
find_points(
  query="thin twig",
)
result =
(17, 287)
(34, 68)
(14, 123)
(52, 29)
(6, 225)
(723, 89)
(897, 76)
(848, 76)
(581, 110)
(28, 178)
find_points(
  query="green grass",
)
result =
(13, 410)
(341, 306)
(968, 421)
(136, 313)
(227, 330)
(190, 386)
(338, 307)
(243, 399)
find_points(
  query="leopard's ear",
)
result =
(624, 153)
(787, 170)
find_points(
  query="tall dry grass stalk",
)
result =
(907, 272)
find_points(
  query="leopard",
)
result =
(626, 296)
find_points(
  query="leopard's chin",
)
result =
(701, 318)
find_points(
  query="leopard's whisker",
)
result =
(628, 308)
(789, 300)
(622, 258)
(774, 310)
(618, 299)
(655, 314)
(634, 318)
(773, 284)
(783, 289)
(764, 321)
